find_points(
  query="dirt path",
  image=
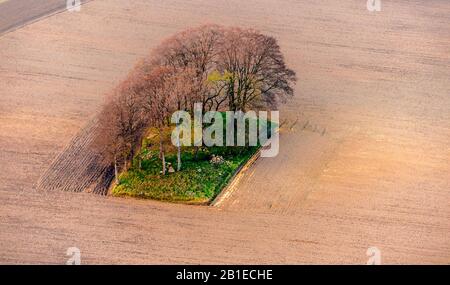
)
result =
(365, 165)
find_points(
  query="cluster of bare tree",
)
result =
(222, 68)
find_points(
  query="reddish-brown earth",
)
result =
(364, 158)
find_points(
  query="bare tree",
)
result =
(195, 50)
(255, 69)
(239, 66)
(121, 125)
(157, 101)
(109, 141)
(181, 87)
(220, 67)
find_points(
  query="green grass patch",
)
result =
(199, 180)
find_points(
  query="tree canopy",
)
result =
(224, 68)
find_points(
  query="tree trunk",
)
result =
(163, 164)
(196, 148)
(116, 174)
(161, 151)
(179, 157)
(178, 143)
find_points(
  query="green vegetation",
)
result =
(199, 181)
(200, 70)
(205, 171)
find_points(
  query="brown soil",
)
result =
(365, 164)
